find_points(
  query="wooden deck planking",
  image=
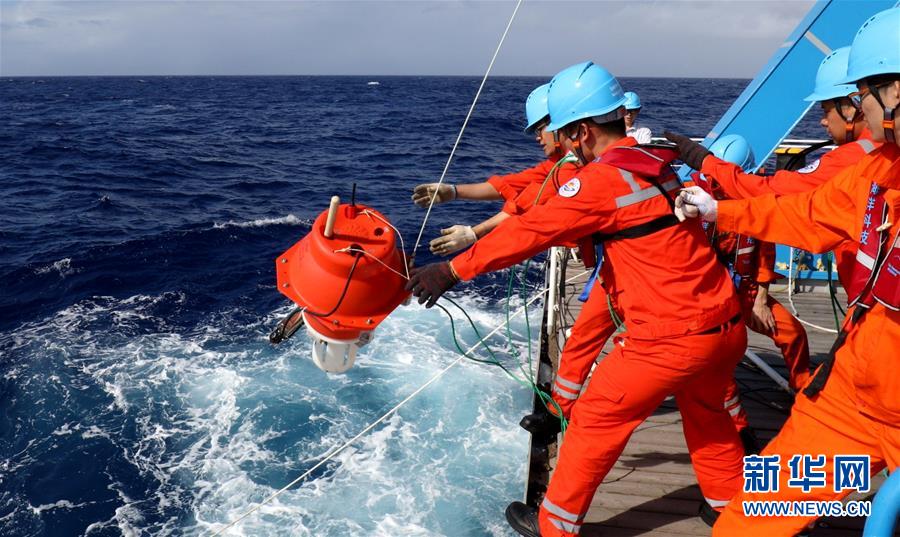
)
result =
(651, 489)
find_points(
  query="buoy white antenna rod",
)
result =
(332, 215)
(463, 128)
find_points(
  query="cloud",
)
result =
(94, 22)
(633, 38)
(38, 22)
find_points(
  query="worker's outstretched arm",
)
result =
(477, 191)
(444, 192)
(739, 184)
(517, 238)
(497, 187)
(817, 220)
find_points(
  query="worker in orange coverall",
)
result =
(519, 190)
(752, 265)
(594, 324)
(684, 332)
(851, 407)
(846, 126)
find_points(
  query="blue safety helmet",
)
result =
(581, 91)
(876, 47)
(632, 101)
(735, 149)
(536, 107)
(832, 71)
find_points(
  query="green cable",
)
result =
(529, 381)
(559, 163)
(545, 398)
(509, 339)
(831, 291)
(523, 294)
(563, 422)
(620, 326)
(473, 358)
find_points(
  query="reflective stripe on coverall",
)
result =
(858, 410)
(678, 305)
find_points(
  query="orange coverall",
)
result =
(511, 185)
(527, 197)
(739, 185)
(858, 410)
(683, 337)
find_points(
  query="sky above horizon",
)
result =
(664, 38)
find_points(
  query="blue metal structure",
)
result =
(885, 509)
(772, 104)
(806, 266)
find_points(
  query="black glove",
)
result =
(691, 152)
(429, 282)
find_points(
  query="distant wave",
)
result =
(63, 267)
(263, 222)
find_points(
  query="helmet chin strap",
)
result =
(576, 146)
(888, 124)
(889, 116)
(849, 122)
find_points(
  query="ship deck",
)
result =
(652, 489)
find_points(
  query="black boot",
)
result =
(708, 514)
(523, 519)
(751, 443)
(541, 423)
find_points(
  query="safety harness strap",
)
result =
(640, 230)
(886, 293)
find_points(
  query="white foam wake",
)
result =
(222, 420)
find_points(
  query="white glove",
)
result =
(453, 239)
(422, 193)
(693, 201)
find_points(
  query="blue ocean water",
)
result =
(139, 221)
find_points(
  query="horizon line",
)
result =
(348, 76)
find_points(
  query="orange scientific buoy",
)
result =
(346, 275)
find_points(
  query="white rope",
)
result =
(461, 130)
(350, 249)
(370, 214)
(340, 448)
(791, 297)
(386, 415)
